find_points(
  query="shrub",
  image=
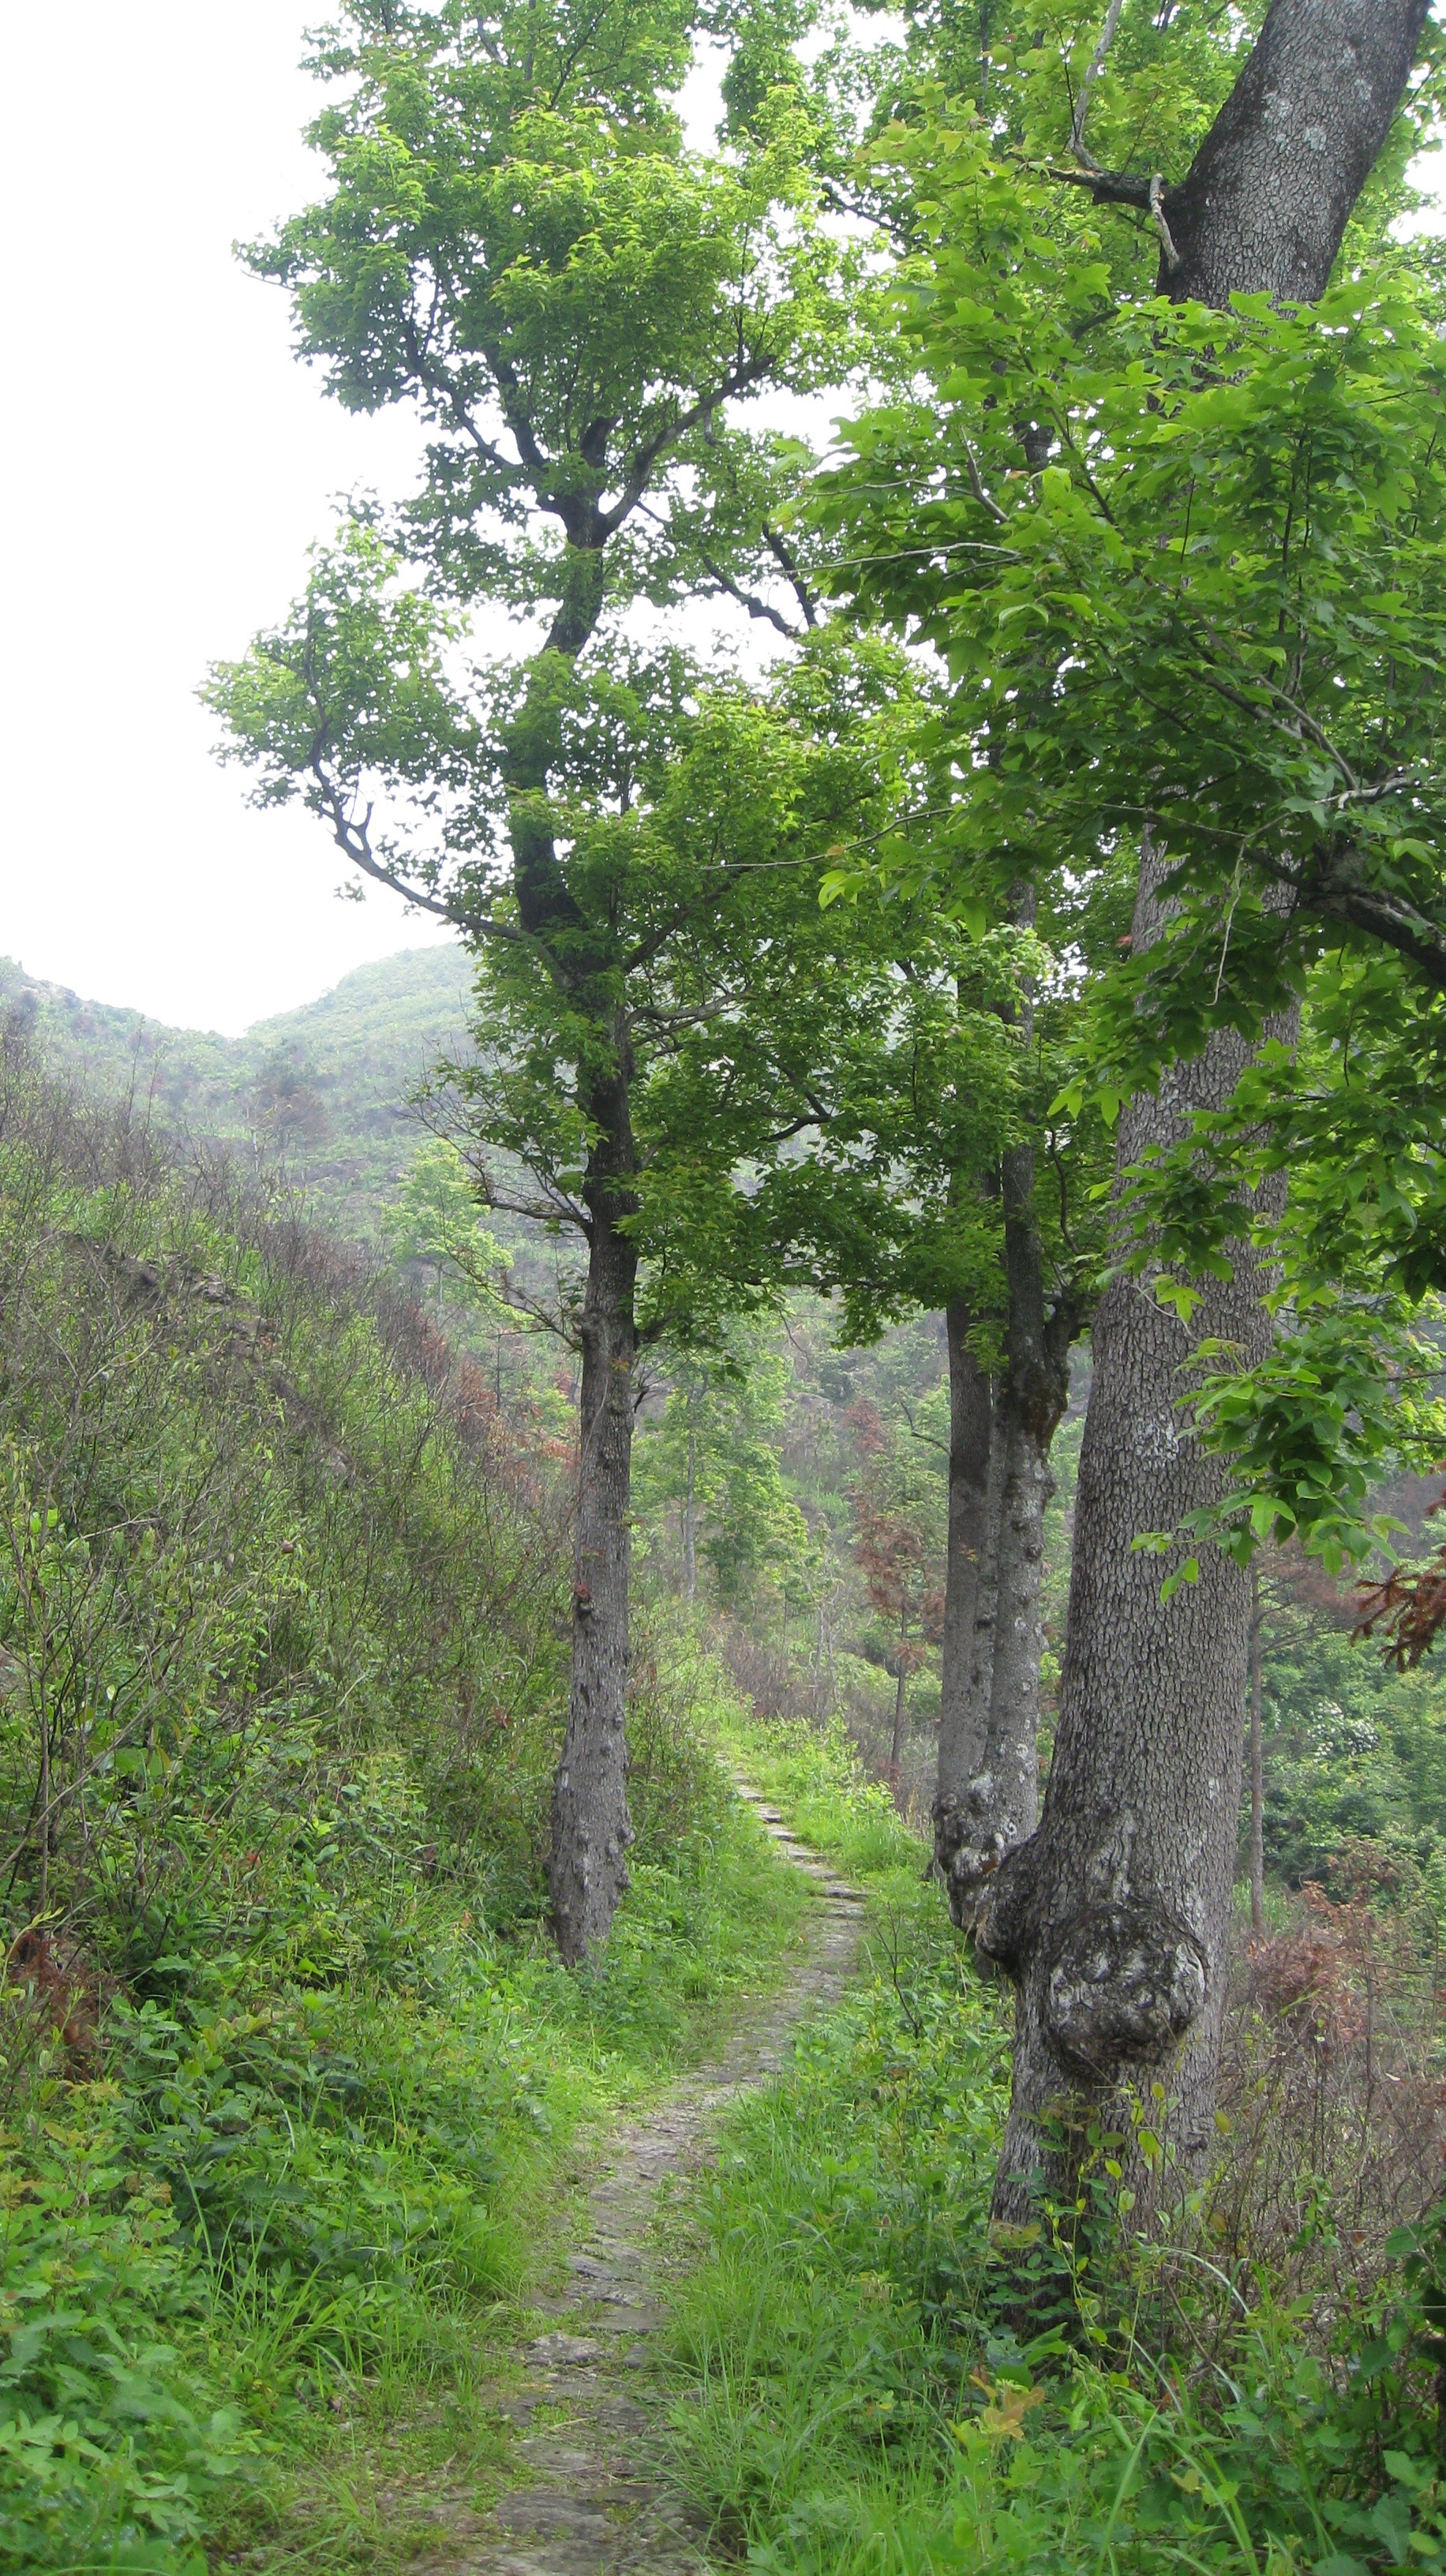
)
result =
(284, 2052)
(110, 2450)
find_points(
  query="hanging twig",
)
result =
(1229, 917)
(1157, 217)
(1082, 103)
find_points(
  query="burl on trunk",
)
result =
(1113, 1917)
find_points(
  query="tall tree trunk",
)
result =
(690, 1533)
(591, 1829)
(901, 1687)
(1270, 191)
(1000, 1804)
(587, 1872)
(1036, 1391)
(1114, 1917)
(997, 1803)
(1257, 1765)
(967, 1659)
(986, 1605)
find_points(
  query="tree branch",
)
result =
(929, 1439)
(787, 563)
(796, 1127)
(1157, 217)
(1082, 103)
(505, 377)
(1336, 891)
(749, 599)
(354, 840)
(749, 371)
(1107, 187)
(554, 1205)
(439, 384)
(984, 498)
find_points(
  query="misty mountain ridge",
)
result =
(325, 1087)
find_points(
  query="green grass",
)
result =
(367, 2400)
(858, 2393)
(282, 1659)
(815, 1778)
(259, 2279)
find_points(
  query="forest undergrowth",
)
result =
(872, 2378)
(292, 2084)
(288, 2068)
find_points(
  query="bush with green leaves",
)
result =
(111, 2450)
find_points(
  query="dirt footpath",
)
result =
(594, 2504)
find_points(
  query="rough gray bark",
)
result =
(901, 1688)
(1257, 1765)
(1113, 1917)
(1271, 188)
(1004, 1793)
(999, 1804)
(995, 1803)
(690, 1531)
(986, 1604)
(587, 1871)
(1036, 1391)
(966, 1660)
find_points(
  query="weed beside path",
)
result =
(853, 2396)
(540, 2455)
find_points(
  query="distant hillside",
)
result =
(325, 1086)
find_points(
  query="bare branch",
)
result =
(796, 1127)
(788, 565)
(984, 498)
(354, 840)
(1336, 890)
(748, 371)
(1157, 216)
(701, 1016)
(749, 599)
(929, 1439)
(550, 1208)
(554, 1205)
(1107, 187)
(1082, 103)
(509, 386)
(436, 382)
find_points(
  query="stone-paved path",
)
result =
(591, 2506)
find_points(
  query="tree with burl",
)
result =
(1172, 516)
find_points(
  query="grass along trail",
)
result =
(592, 2503)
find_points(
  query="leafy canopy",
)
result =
(517, 238)
(1184, 572)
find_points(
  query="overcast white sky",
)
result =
(165, 464)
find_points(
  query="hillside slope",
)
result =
(285, 2055)
(324, 1087)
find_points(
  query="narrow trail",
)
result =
(594, 2504)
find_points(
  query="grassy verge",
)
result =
(813, 1775)
(363, 2470)
(256, 2277)
(288, 2076)
(859, 2395)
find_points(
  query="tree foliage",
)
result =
(1184, 569)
